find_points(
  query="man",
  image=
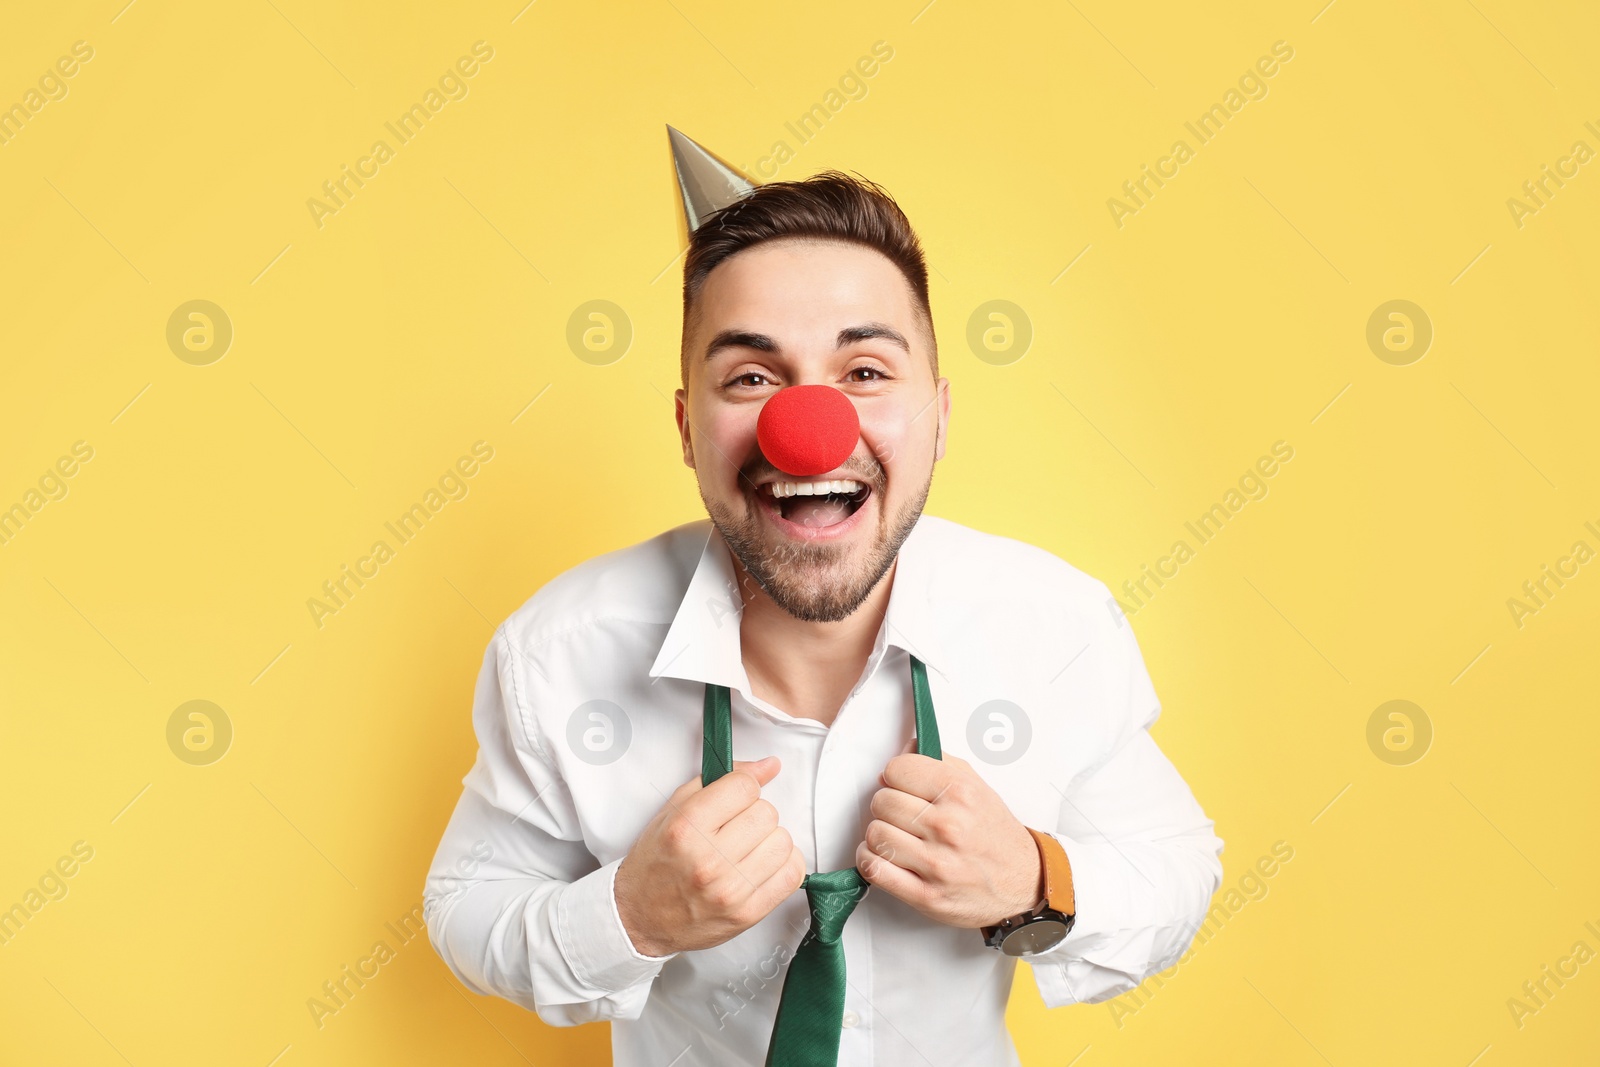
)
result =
(608, 860)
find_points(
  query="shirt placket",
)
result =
(837, 821)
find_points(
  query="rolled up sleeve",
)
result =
(1145, 859)
(515, 903)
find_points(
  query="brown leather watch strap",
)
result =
(1058, 893)
(1056, 876)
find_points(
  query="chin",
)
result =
(816, 578)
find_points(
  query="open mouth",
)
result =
(816, 504)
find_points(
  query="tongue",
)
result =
(817, 511)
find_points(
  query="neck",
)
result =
(807, 669)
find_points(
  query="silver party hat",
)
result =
(706, 182)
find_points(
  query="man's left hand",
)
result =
(945, 843)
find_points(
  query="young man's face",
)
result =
(770, 317)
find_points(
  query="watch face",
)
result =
(1034, 937)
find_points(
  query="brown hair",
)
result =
(830, 205)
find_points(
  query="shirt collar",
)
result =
(702, 644)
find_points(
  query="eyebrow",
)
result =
(849, 335)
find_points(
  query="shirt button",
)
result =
(851, 1019)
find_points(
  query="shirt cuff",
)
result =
(1070, 971)
(592, 938)
(1098, 909)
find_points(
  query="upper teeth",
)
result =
(783, 489)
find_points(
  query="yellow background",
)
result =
(368, 354)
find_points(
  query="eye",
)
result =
(881, 375)
(742, 377)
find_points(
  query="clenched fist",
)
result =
(943, 841)
(710, 865)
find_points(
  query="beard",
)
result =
(816, 582)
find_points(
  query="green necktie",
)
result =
(811, 1008)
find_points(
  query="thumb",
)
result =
(907, 749)
(764, 769)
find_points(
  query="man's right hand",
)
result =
(710, 865)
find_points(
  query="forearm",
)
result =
(1138, 907)
(553, 947)
(1145, 863)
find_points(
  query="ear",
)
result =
(685, 431)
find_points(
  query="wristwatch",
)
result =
(1046, 924)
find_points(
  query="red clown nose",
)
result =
(808, 429)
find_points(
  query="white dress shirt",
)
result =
(588, 715)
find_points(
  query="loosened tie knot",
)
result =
(833, 895)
